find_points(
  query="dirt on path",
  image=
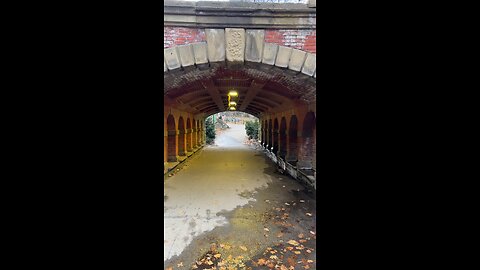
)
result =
(229, 208)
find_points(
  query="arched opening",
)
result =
(275, 136)
(283, 138)
(189, 135)
(307, 148)
(172, 134)
(181, 137)
(292, 153)
(270, 135)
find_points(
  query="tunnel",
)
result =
(284, 102)
(259, 59)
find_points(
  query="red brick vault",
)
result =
(266, 52)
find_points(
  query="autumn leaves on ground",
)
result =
(275, 235)
(272, 226)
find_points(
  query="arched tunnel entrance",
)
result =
(283, 101)
(240, 203)
(209, 186)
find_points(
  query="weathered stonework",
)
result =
(310, 64)
(215, 44)
(254, 45)
(269, 53)
(171, 58)
(283, 56)
(235, 39)
(200, 52)
(186, 55)
(296, 60)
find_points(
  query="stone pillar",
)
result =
(292, 147)
(189, 140)
(282, 144)
(181, 143)
(194, 138)
(172, 146)
(306, 149)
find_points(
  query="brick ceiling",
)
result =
(261, 88)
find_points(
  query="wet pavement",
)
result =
(228, 208)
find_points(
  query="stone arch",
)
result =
(292, 153)
(172, 138)
(283, 138)
(189, 135)
(231, 39)
(181, 137)
(275, 136)
(307, 148)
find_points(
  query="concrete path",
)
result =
(208, 194)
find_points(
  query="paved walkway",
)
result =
(204, 197)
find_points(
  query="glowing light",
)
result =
(232, 108)
(232, 103)
(233, 93)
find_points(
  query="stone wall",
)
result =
(304, 40)
(173, 36)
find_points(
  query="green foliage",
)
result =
(252, 128)
(210, 130)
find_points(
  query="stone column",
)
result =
(189, 140)
(172, 147)
(306, 149)
(181, 143)
(194, 138)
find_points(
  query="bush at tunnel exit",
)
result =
(252, 129)
(209, 130)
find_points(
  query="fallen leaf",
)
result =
(261, 262)
(287, 203)
(194, 266)
(297, 252)
(243, 248)
(180, 264)
(280, 234)
(274, 257)
(291, 263)
(309, 251)
(170, 268)
(301, 235)
(302, 201)
(283, 267)
(266, 229)
(218, 255)
(302, 241)
(293, 242)
(309, 261)
(308, 214)
(312, 232)
(306, 267)
(271, 265)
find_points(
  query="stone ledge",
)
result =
(238, 14)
